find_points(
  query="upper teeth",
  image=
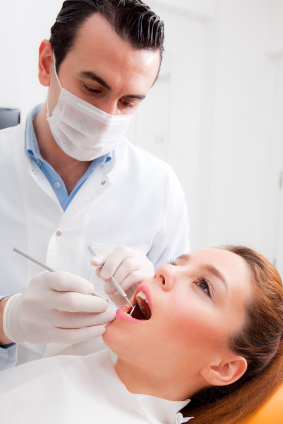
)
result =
(142, 296)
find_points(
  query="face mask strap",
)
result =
(54, 62)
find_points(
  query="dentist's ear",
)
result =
(45, 63)
(226, 372)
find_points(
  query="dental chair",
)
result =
(271, 412)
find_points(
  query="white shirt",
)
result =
(72, 390)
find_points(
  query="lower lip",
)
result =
(123, 317)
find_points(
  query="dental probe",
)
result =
(115, 284)
(53, 270)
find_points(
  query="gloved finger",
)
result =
(78, 319)
(129, 266)
(117, 257)
(77, 335)
(109, 288)
(74, 302)
(134, 279)
(97, 272)
(66, 282)
(118, 300)
(130, 270)
(100, 259)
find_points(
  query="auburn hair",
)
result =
(260, 342)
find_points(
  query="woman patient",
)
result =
(207, 328)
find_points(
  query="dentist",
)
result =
(69, 179)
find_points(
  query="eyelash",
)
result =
(170, 262)
(93, 91)
(201, 279)
(127, 104)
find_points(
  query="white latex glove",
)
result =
(128, 266)
(56, 307)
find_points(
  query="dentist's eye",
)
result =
(91, 90)
(204, 285)
(126, 104)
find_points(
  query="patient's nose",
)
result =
(167, 276)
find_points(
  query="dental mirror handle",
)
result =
(113, 281)
(43, 265)
(34, 260)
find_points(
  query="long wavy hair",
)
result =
(260, 342)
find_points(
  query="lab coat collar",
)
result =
(96, 184)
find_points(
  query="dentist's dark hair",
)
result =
(260, 342)
(132, 20)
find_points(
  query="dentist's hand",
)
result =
(128, 266)
(56, 307)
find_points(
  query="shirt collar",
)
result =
(31, 145)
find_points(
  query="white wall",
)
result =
(242, 110)
(214, 115)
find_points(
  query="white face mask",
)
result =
(83, 131)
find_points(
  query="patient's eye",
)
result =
(171, 262)
(204, 285)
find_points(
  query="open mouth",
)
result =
(142, 311)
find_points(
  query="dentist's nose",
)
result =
(167, 276)
(109, 107)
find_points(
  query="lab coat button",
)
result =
(59, 233)
(57, 185)
(103, 182)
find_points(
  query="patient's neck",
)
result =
(157, 383)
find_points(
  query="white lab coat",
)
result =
(133, 200)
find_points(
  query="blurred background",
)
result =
(215, 114)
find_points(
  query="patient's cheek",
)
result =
(110, 333)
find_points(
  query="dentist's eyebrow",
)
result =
(135, 96)
(214, 271)
(92, 76)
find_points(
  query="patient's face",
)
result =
(193, 307)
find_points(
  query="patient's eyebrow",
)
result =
(185, 257)
(214, 271)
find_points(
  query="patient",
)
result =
(207, 327)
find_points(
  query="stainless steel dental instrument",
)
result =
(43, 265)
(115, 284)
(34, 260)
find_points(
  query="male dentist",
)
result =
(69, 179)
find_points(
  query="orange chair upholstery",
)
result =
(271, 412)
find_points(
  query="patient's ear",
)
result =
(226, 372)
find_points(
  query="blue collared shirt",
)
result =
(8, 353)
(58, 185)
